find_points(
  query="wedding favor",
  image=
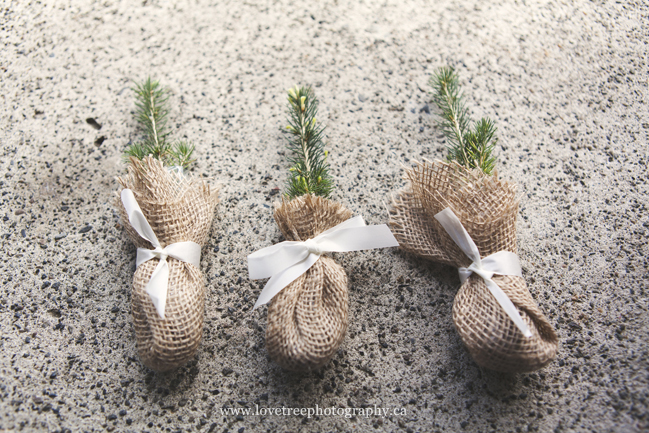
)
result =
(307, 290)
(459, 213)
(168, 216)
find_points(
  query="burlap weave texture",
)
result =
(487, 208)
(307, 320)
(178, 209)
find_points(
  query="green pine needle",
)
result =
(309, 172)
(151, 113)
(181, 154)
(472, 148)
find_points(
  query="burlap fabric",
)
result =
(487, 207)
(307, 320)
(178, 209)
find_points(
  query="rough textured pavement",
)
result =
(566, 83)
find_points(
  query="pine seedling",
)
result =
(470, 147)
(151, 114)
(309, 172)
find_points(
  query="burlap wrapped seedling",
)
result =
(178, 209)
(487, 208)
(307, 290)
(307, 320)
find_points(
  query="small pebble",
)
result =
(92, 122)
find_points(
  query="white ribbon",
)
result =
(501, 263)
(286, 261)
(189, 252)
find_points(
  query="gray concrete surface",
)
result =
(566, 83)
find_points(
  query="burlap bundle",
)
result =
(487, 207)
(307, 320)
(178, 209)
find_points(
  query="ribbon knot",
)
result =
(476, 267)
(313, 247)
(501, 263)
(160, 253)
(286, 261)
(188, 252)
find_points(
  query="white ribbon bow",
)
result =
(501, 263)
(189, 252)
(286, 261)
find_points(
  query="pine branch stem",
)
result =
(152, 111)
(304, 143)
(453, 116)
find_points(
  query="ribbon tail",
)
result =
(356, 221)
(188, 252)
(136, 217)
(282, 279)
(465, 273)
(458, 233)
(358, 239)
(157, 287)
(267, 261)
(503, 263)
(508, 306)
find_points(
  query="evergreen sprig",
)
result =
(470, 147)
(309, 172)
(151, 113)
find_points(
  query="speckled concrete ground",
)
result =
(566, 83)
